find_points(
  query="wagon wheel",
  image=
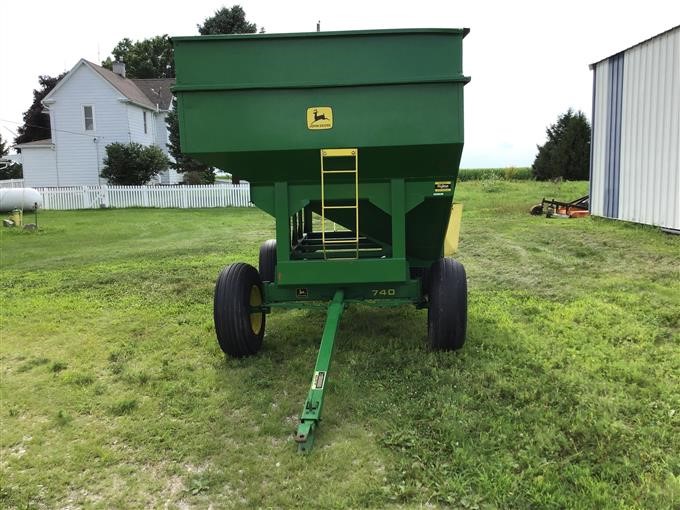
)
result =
(267, 262)
(447, 312)
(239, 323)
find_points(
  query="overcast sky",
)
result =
(528, 60)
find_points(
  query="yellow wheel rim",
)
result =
(256, 318)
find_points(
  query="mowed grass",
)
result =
(566, 395)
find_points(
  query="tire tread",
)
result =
(267, 261)
(231, 310)
(447, 313)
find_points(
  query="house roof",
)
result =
(46, 142)
(149, 93)
(157, 90)
(144, 93)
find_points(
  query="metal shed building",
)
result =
(635, 149)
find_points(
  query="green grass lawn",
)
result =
(115, 393)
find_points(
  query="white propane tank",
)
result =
(19, 198)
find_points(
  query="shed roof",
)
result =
(592, 66)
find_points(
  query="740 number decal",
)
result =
(383, 292)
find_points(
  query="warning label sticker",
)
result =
(318, 380)
(441, 187)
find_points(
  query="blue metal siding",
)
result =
(613, 143)
(635, 158)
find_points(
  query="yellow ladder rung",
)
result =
(340, 206)
(340, 241)
(339, 171)
(338, 153)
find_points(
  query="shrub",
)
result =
(133, 163)
(205, 176)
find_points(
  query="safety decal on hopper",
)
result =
(441, 187)
(319, 117)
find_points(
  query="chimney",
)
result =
(119, 68)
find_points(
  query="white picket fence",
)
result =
(11, 183)
(181, 196)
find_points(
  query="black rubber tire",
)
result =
(231, 310)
(536, 210)
(267, 262)
(447, 311)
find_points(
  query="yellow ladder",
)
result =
(340, 153)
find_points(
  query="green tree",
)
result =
(194, 171)
(133, 163)
(149, 58)
(566, 154)
(36, 123)
(227, 21)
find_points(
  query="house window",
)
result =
(88, 117)
(144, 113)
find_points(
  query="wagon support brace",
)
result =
(311, 412)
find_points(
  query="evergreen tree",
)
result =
(566, 154)
(36, 123)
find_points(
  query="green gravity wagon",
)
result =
(352, 142)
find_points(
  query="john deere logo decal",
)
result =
(319, 117)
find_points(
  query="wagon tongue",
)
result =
(311, 412)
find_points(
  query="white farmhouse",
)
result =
(90, 108)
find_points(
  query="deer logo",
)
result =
(318, 116)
